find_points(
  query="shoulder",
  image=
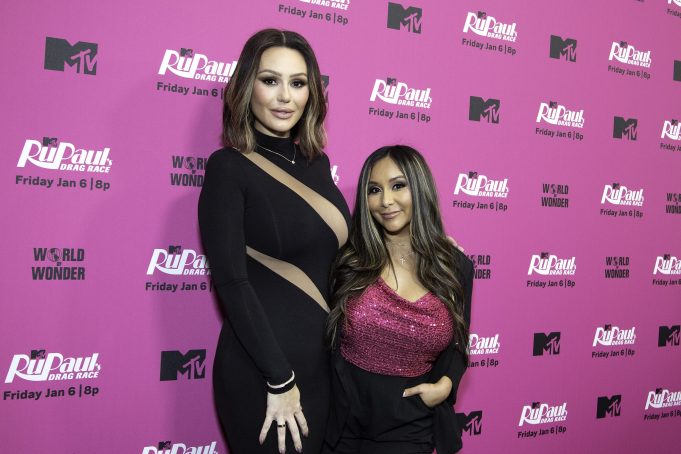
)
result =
(225, 160)
(321, 160)
(464, 263)
(224, 156)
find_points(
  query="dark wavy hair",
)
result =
(364, 256)
(237, 118)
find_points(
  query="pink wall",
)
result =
(107, 228)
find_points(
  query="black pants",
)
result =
(381, 421)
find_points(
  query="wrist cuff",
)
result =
(282, 387)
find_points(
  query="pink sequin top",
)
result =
(387, 334)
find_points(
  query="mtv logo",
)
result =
(544, 255)
(471, 422)
(608, 406)
(59, 54)
(164, 445)
(549, 343)
(37, 354)
(535, 405)
(482, 15)
(48, 141)
(174, 249)
(607, 327)
(400, 18)
(674, 122)
(560, 47)
(472, 174)
(625, 128)
(479, 108)
(667, 257)
(390, 81)
(190, 365)
(658, 390)
(677, 70)
(669, 336)
(553, 105)
(615, 185)
(188, 53)
(623, 44)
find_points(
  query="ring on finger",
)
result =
(281, 426)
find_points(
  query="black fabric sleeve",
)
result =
(451, 361)
(221, 221)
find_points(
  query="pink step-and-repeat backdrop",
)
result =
(552, 130)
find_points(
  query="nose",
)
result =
(284, 95)
(387, 198)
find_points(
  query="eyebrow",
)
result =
(390, 180)
(279, 74)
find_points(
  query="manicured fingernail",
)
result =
(404, 393)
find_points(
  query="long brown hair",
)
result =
(237, 118)
(365, 255)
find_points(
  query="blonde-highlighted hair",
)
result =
(365, 255)
(237, 117)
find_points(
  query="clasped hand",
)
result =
(431, 394)
(285, 410)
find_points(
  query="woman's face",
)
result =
(280, 91)
(389, 197)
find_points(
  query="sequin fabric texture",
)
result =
(387, 334)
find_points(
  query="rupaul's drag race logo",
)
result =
(546, 264)
(663, 398)
(609, 335)
(398, 93)
(42, 366)
(671, 129)
(49, 153)
(542, 413)
(168, 447)
(625, 53)
(559, 115)
(178, 262)
(482, 24)
(479, 345)
(477, 185)
(188, 64)
(667, 264)
(617, 194)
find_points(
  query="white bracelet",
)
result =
(293, 377)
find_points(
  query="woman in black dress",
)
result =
(272, 221)
(400, 317)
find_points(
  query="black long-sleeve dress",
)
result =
(271, 230)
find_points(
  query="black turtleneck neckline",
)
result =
(281, 145)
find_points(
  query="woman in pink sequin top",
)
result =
(399, 324)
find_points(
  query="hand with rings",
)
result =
(286, 410)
